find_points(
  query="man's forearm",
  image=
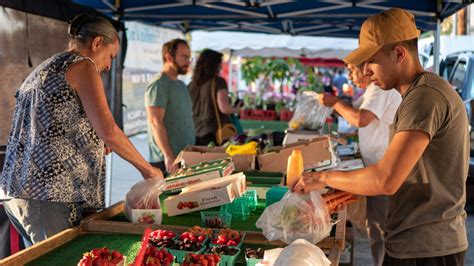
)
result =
(348, 112)
(369, 181)
(160, 135)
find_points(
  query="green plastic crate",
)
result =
(275, 194)
(252, 199)
(238, 208)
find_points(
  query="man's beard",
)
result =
(181, 70)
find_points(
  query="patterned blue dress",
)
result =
(53, 153)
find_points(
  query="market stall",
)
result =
(104, 229)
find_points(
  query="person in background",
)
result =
(372, 113)
(326, 79)
(169, 107)
(338, 82)
(206, 75)
(54, 171)
(425, 166)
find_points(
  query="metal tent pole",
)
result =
(436, 44)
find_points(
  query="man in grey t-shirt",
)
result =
(425, 167)
(169, 108)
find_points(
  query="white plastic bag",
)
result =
(302, 253)
(309, 113)
(142, 199)
(296, 216)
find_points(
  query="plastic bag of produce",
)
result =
(302, 253)
(296, 216)
(309, 113)
(142, 202)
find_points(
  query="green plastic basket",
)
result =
(180, 254)
(252, 199)
(227, 260)
(239, 208)
(252, 261)
(275, 194)
(216, 219)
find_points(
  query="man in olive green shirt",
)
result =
(425, 167)
(169, 108)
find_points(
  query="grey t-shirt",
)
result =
(426, 215)
(173, 96)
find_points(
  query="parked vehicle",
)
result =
(458, 69)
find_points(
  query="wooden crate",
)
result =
(98, 223)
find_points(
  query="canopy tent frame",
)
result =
(272, 16)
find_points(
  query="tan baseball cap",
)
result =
(390, 26)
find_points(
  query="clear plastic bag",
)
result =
(302, 253)
(296, 216)
(309, 113)
(144, 195)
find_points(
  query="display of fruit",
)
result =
(187, 204)
(192, 237)
(222, 250)
(201, 260)
(197, 230)
(188, 242)
(254, 254)
(157, 257)
(101, 257)
(162, 238)
(227, 237)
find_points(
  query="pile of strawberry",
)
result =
(162, 238)
(223, 250)
(157, 257)
(189, 242)
(197, 230)
(101, 257)
(227, 237)
(192, 237)
(201, 260)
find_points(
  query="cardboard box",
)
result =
(147, 216)
(318, 154)
(192, 155)
(198, 173)
(238, 181)
(191, 201)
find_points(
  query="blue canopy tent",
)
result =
(333, 18)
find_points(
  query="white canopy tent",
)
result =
(270, 45)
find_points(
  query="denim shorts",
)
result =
(37, 220)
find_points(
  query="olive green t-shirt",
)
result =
(426, 215)
(173, 96)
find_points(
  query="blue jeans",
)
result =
(38, 220)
